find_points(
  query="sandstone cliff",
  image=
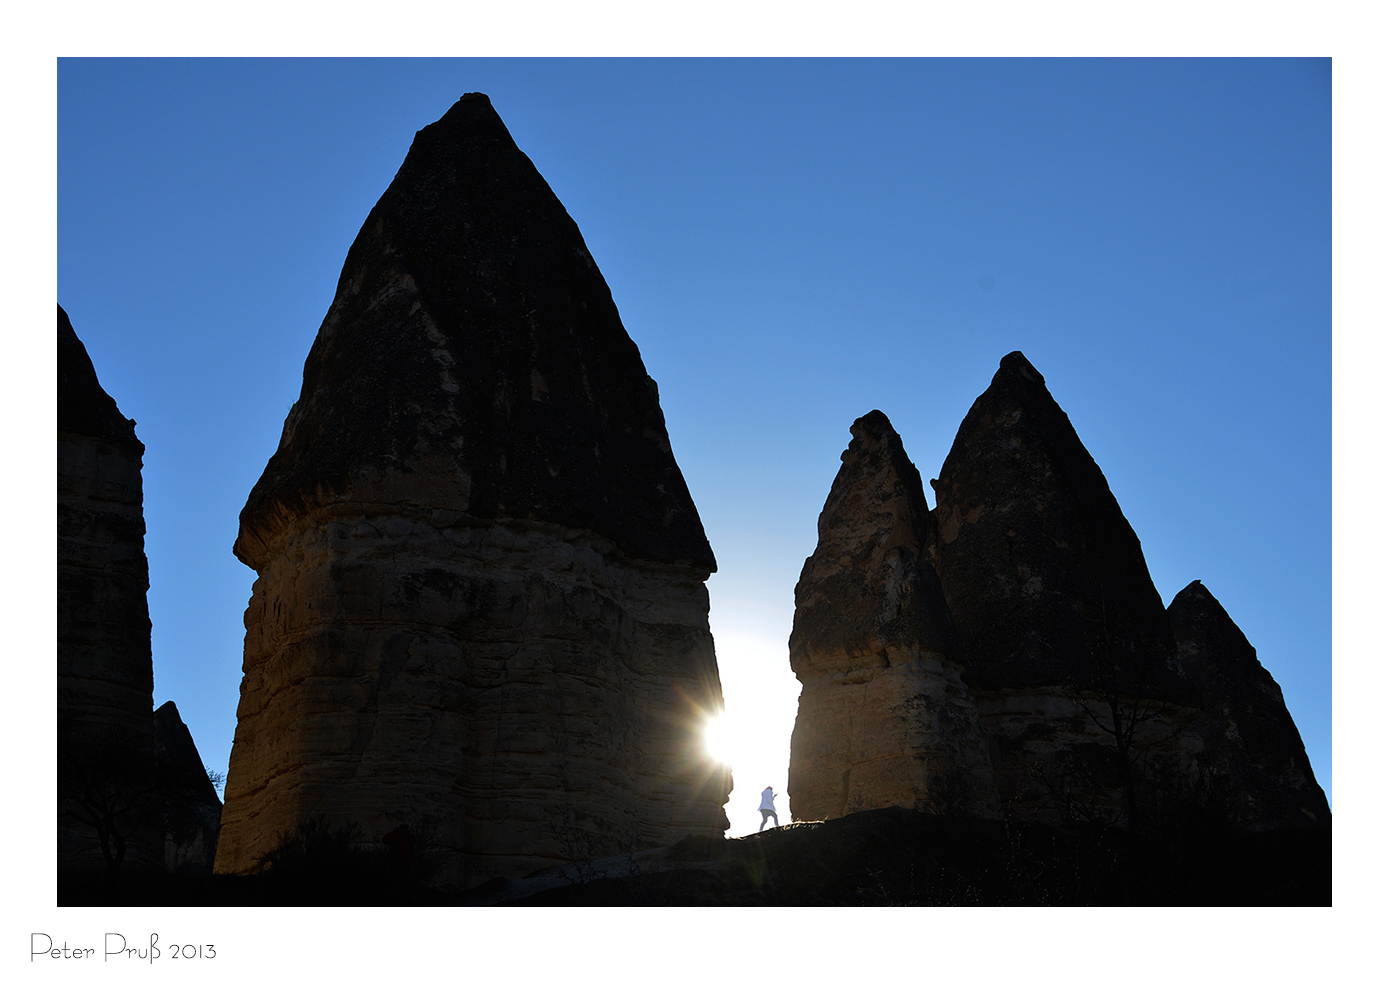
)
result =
(480, 605)
(108, 811)
(884, 717)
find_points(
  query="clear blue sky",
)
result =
(791, 244)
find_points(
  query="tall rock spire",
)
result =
(884, 718)
(1066, 637)
(108, 810)
(480, 608)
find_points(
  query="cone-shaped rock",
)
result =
(884, 718)
(192, 811)
(1046, 581)
(473, 360)
(480, 606)
(105, 676)
(1259, 775)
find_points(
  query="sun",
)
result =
(720, 740)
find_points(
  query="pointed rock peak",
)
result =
(1203, 626)
(83, 406)
(876, 450)
(868, 583)
(875, 468)
(1016, 363)
(874, 425)
(471, 121)
(1252, 743)
(1016, 436)
(1195, 599)
(473, 362)
(1036, 559)
(1018, 402)
(475, 102)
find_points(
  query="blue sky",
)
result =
(791, 244)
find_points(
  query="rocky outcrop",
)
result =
(1044, 576)
(479, 608)
(1067, 642)
(1012, 639)
(192, 811)
(108, 812)
(1254, 757)
(884, 718)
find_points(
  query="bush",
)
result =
(317, 848)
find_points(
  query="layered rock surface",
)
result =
(1254, 757)
(884, 717)
(105, 674)
(480, 606)
(192, 811)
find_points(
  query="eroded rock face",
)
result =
(105, 675)
(884, 718)
(1067, 643)
(1043, 573)
(192, 811)
(1012, 640)
(1254, 756)
(480, 606)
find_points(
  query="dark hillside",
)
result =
(888, 857)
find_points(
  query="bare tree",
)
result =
(107, 784)
(1131, 710)
(218, 780)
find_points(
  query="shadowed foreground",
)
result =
(890, 857)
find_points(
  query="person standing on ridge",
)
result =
(768, 808)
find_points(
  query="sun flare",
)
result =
(719, 738)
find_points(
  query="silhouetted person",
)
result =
(768, 808)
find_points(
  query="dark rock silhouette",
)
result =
(884, 717)
(192, 811)
(1253, 754)
(1037, 562)
(1067, 644)
(1095, 703)
(473, 361)
(480, 608)
(108, 811)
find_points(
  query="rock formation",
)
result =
(884, 717)
(1067, 643)
(192, 811)
(1028, 590)
(480, 607)
(108, 812)
(1254, 757)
